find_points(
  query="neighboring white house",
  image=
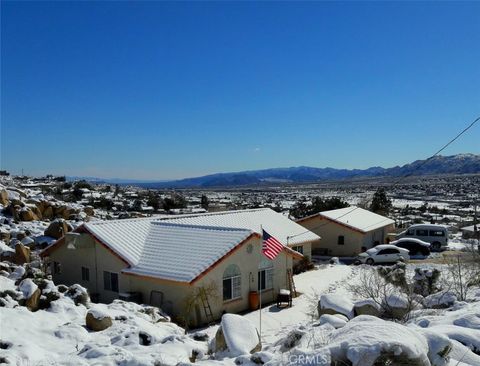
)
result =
(469, 232)
(347, 231)
(166, 261)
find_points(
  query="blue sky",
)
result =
(159, 90)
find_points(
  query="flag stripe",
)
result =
(270, 246)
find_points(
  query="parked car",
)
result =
(436, 235)
(385, 253)
(413, 245)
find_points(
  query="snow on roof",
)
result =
(272, 222)
(181, 247)
(181, 252)
(357, 218)
(126, 236)
(470, 228)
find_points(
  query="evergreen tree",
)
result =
(381, 204)
(204, 202)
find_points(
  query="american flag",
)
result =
(270, 246)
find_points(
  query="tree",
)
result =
(153, 201)
(319, 204)
(204, 202)
(381, 204)
(137, 205)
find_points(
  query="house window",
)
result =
(232, 283)
(57, 268)
(110, 281)
(341, 240)
(85, 274)
(265, 275)
(298, 248)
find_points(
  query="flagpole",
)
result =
(259, 285)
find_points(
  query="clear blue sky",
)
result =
(158, 90)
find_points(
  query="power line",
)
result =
(395, 183)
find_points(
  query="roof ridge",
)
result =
(226, 212)
(205, 227)
(133, 219)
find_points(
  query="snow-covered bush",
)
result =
(426, 281)
(461, 274)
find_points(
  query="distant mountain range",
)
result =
(456, 164)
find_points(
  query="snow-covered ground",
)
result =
(59, 335)
(310, 285)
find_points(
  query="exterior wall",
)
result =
(88, 253)
(378, 236)
(354, 240)
(248, 264)
(171, 295)
(307, 248)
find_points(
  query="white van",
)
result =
(436, 235)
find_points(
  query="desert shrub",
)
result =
(303, 265)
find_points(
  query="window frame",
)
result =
(57, 268)
(109, 284)
(341, 240)
(232, 280)
(235, 288)
(265, 277)
(298, 248)
(85, 274)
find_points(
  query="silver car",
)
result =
(385, 253)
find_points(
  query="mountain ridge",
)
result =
(454, 164)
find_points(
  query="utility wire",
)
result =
(395, 183)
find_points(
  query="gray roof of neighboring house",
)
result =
(357, 218)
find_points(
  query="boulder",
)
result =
(4, 235)
(33, 302)
(36, 211)
(18, 191)
(57, 229)
(237, 336)
(58, 210)
(21, 235)
(22, 254)
(26, 214)
(97, 320)
(3, 197)
(335, 304)
(31, 294)
(397, 306)
(78, 294)
(367, 307)
(89, 210)
(336, 321)
(440, 300)
(47, 213)
(28, 242)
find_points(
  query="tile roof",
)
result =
(126, 237)
(182, 252)
(273, 222)
(180, 248)
(357, 218)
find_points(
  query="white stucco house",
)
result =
(347, 231)
(166, 261)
